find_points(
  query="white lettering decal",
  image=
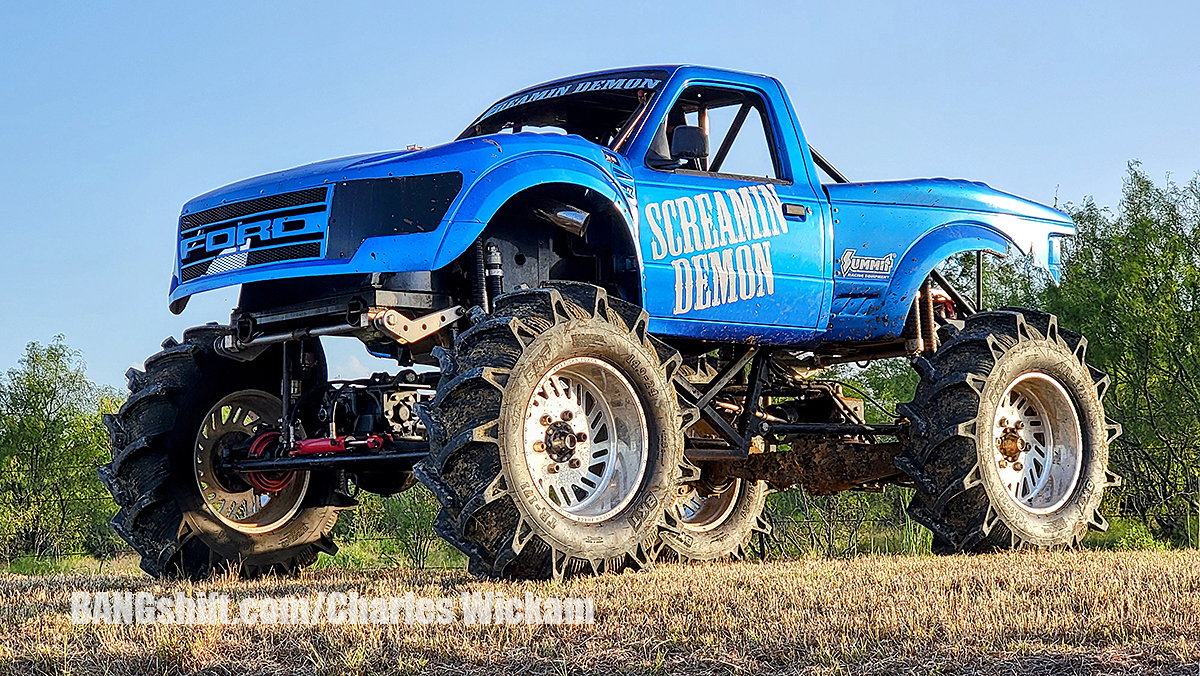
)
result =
(683, 285)
(720, 255)
(724, 221)
(658, 245)
(704, 208)
(669, 213)
(721, 263)
(687, 224)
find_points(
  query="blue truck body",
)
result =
(786, 260)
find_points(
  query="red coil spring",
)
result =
(267, 482)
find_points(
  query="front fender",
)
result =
(502, 182)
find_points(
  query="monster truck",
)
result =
(610, 300)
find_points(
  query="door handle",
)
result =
(798, 210)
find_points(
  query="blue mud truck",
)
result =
(629, 283)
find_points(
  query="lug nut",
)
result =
(553, 468)
(1018, 466)
(546, 420)
(581, 436)
(539, 446)
(567, 415)
(575, 463)
(1003, 422)
(1003, 464)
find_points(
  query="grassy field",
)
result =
(1022, 613)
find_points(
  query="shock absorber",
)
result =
(479, 294)
(926, 329)
(493, 271)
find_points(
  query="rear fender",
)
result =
(501, 183)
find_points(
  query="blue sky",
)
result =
(112, 115)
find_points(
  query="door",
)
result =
(732, 246)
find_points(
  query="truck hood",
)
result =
(228, 236)
(367, 165)
(475, 155)
(282, 180)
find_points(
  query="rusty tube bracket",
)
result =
(404, 330)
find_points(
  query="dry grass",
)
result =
(1024, 613)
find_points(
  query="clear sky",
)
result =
(112, 115)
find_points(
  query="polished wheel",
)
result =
(703, 512)
(586, 439)
(245, 504)
(1037, 442)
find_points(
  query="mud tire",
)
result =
(477, 468)
(727, 535)
(960, 495)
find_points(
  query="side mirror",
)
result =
(689, 143)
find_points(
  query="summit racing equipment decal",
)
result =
(852, 265)
(576, 87)
(719, 244)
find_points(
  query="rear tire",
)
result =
(1010, 443)
(158, 467)
(716, 522)
(555, 440)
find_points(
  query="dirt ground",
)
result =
(1021, 613)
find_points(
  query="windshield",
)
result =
(600, 108)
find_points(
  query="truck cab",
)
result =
(733, 217)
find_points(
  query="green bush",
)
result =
(1125, 535)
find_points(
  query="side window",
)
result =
(739, 135)
(750, 153)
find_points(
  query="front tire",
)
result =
(555, 441)
(176, 511)
(1010, 441)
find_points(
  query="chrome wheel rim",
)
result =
(231, 498)
(1037, 443)
(586, 440)
(702, 513)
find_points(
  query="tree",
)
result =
(51, 441)
(1131, 284)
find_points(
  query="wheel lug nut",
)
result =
(1018, 466)
(582, 436)
(575, 463)
(553, 468)
(1003, 464)
(539, 446)
(567, 415)
(1004, 422)
(546, 420)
